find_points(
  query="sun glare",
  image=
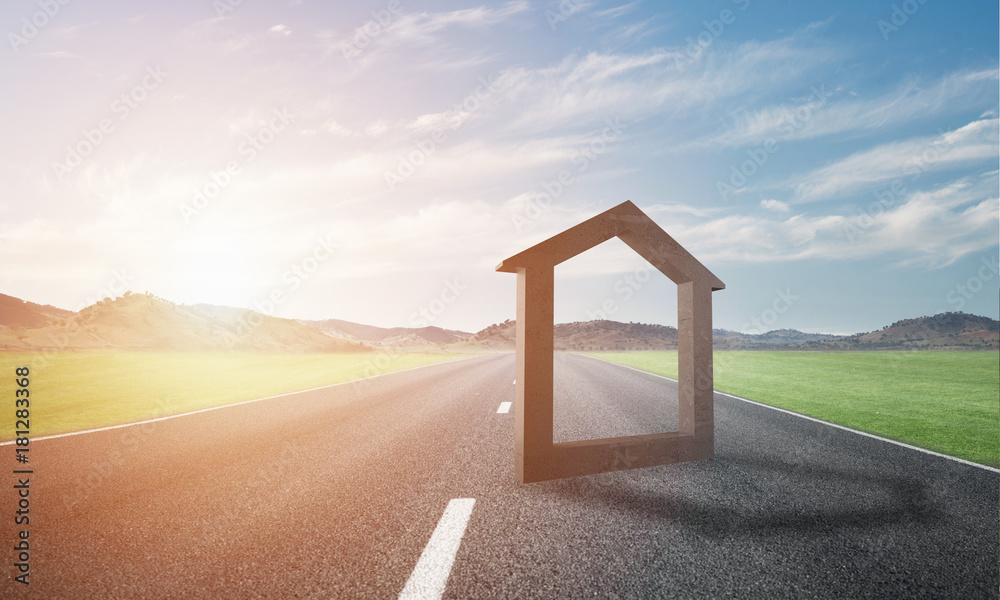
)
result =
(213, 271)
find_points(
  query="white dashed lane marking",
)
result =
(430, 576)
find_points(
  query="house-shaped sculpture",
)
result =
(537, 457)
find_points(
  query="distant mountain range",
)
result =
(395, 336)
(144, 321)
(942, 331)
(147, 322)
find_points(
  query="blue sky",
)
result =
(834, 163)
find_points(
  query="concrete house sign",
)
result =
(537, 457)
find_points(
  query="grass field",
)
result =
(948, 402)
(74, 391)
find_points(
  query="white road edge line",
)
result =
(430, 576)
(815, 420)
(202, 410)
(504, 408)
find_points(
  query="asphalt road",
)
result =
(334, 493)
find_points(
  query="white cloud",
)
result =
(617, 11)
(420, 27)
(633, 32)
(907, 159)
(376, 128)
(806, 119)
(647, 84)
(427, 236)
(476, 163)
(73, 30)
(424, 29)
(679, 208)
(927, 228)
(775, 205)
(334, 128)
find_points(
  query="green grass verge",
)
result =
(75, 391)
(941, 401)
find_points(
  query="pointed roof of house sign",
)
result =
(633, 227)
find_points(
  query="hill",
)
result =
(612, 335)
(583, 336)
(498, 337)
(951, 330)
(17, 313)
(145, 322)
(388, 336)
(726, 339)
(943, 331)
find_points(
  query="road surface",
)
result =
(336, 493)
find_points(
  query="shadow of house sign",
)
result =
(538, 458)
